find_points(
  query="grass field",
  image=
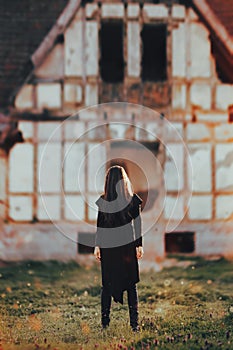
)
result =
(52, 305)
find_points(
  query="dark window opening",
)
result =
(223, 61)
(86, 242)
(111, 46)
(143, 2)
(60, 39)
(222, 72)
(84, 2)
(230, 114)
(152, 146)
(179, 242)
(154, 57)
(183, 2)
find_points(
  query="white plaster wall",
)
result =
(45, 241)
(24, 98)
(174, 131)
(91, 94)
(178, 11)
(174, 209)
(179, 51)
(133, 11)
(211, 117)
(48, 95)
(72, 93)
(96, 159)
(91, 10)
(74, 48)
(112, 10)
(53, 64)
(39, 242)
(133, 45)
(198, 132)
(27, 129)
(224, 207)
(74, 155)
(174, 167)
(49, 168)
(21, 168)
(21, 208)
(200, 95)
(74, 208)
(118, 130)
(91, 48)
(49, 208)
(199, 51)
(155, 11)
(73, 130)
(179, 93)
(201, 179)
(224, 132)
(224, 167)
(224, 96)
(213, 240)
(49, 131)
(200, 208)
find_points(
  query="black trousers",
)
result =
(106, 300)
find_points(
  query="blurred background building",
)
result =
(58, 57)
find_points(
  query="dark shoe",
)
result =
(133, 307)
(133, 314)
(105, 307)
(136, 329)
(105, 319)
(105, 326)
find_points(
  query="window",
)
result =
(179, 242)
(154, 57)
(111, 46)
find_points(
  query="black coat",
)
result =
(118, 242)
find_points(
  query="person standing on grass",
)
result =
(118, 243)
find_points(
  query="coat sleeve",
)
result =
(137, 221)
(98, 235)
(99, 223)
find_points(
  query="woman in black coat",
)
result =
(118, 243)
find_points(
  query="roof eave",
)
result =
(49, 41)
(214, 23)
(58, 28)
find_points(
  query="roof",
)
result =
(223, 9)
(24, 24)
(29, 29)
(217, 15)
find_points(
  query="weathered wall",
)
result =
(193, 99)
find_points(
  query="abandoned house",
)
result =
(98, 83)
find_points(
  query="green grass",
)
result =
(52, 305)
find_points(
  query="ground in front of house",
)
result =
(53, 305)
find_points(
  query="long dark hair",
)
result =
(117, 188)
